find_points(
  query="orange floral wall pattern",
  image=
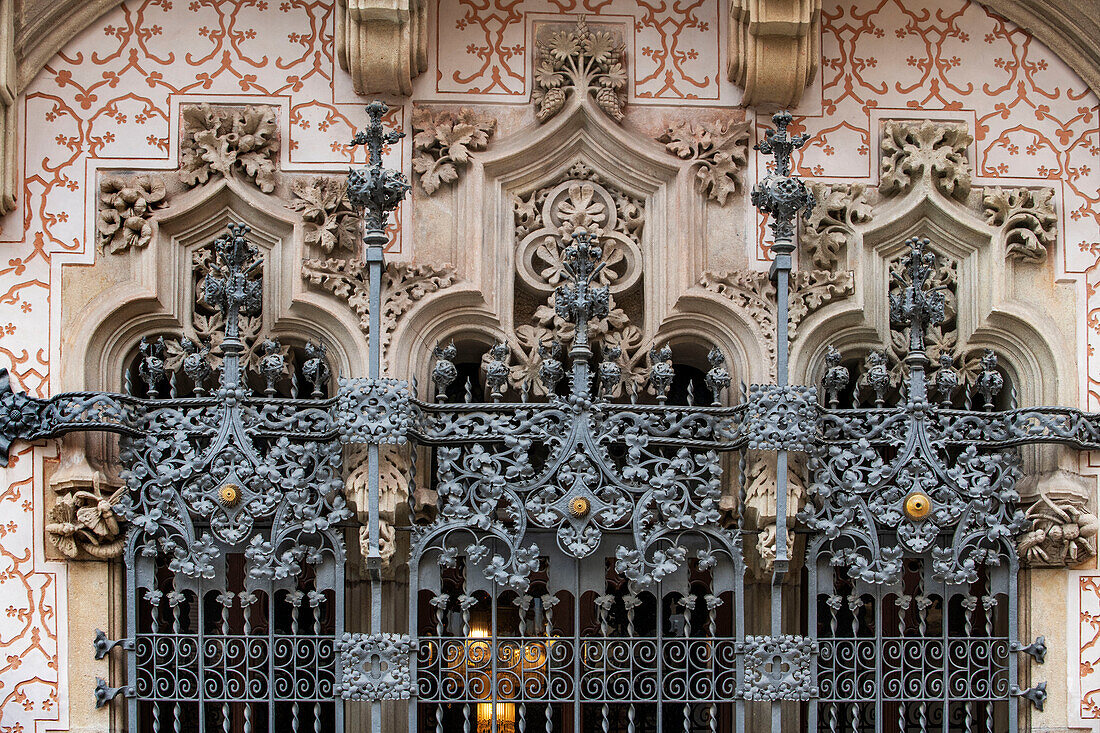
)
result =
(112, 98)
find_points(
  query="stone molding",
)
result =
(383, 44)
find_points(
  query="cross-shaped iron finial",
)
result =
(375, 190)
(375, 136)
(780, 194)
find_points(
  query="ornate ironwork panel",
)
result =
(579, 570)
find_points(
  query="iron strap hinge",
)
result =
(105, 693)
(1037, 649)
(103, 645)
(1037, 695)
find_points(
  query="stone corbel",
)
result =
(383, 44)
(775, 48)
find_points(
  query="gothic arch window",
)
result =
(234, 492)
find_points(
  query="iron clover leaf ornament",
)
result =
(372, 189)
(781, 195)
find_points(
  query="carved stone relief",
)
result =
(582, 61)
(225, 140)
(442, 143)
(403, 285)
(718, 151)
(126, 205)
(331, 223)
(911, 150)
(1027, 219)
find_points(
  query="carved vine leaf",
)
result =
(331, 223)
(1027, 218)
(126, 205)
(443, 141)
(912, 150)
(718, 149)
(830, 227)
(220, 140)
(584, 61)
(752, 292)
(403, 285)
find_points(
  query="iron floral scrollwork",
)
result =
(891, 473)
(374, 667)
(651, 471)
(778, 668)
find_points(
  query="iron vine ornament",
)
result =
(239, 470)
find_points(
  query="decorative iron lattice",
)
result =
(578, 573)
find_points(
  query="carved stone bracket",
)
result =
(778, 668)
(358, 681)
(774, 49)
(383, 44)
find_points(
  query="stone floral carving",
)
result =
(393, 492)
(403, 285)
(830, 228)
(1063, 533)
(126, 205)
(330, 221)
(718, 151)
(1027, 218)
(912, 150)
(442, 143)
(219, 140)
(752, 292)
(581, 60)
(83, 523)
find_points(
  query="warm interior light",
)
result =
(506, 717)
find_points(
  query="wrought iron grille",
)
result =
(578, 574)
